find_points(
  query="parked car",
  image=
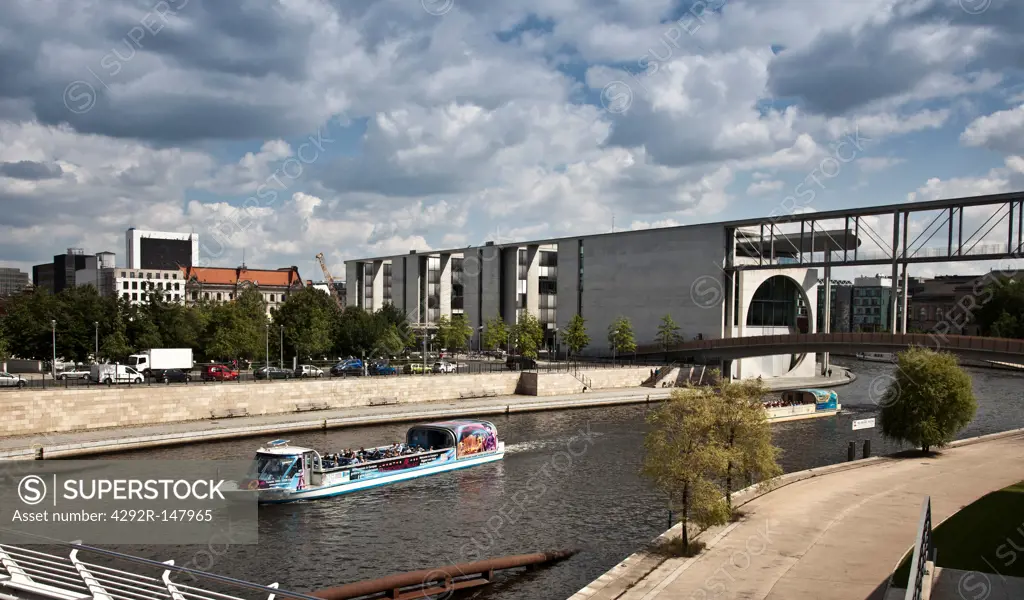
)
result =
(73, 373)
(351, 366)
(219, 373)
(383, 368)
(519, 363)
(443, 366)
(9, 380)
(170, 375)
(308, 371)
(273, 373)
(416, 367)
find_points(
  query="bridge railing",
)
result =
(928, 340)
(922, 553)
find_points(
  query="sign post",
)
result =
(864, 424)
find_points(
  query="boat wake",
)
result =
(546, 445)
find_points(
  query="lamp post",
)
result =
(281, 346)
(53, 365)
(267, 327)
(96, 356)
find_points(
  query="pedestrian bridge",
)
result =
(970, 347)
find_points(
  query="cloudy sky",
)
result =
(291, 127)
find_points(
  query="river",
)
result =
(569, 480)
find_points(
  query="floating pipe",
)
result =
(430, 582)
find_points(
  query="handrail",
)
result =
(70, 578)
(922, 551)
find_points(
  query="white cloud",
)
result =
(764, 187)
(1003, 131)
(875, 164)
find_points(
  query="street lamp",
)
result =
(267, 326)
(282, 346)
(96, 355)
(53, 365)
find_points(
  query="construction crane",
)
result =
(330, 281)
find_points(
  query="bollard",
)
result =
(39, 453)
(851, 453)
(867, 448)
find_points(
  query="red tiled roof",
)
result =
(286, 277)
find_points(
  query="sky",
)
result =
(284, 128)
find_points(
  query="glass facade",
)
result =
(776, 303)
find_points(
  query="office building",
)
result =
(947, 304)
(61, 273)
(161, 250)
(12, 281)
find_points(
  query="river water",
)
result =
(569, 480)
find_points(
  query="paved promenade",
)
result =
(83, 443)
(835, 536)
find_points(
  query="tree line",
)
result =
(308, 325)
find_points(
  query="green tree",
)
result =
(444, 331)
(575, 335)
(744, 432)
(27, 324)
(528, 335)
(3, 341)
(620, 337)
(239, 328)
(496, 334)
(685, 459)
(929, 399)
(668, 333)
(460, 333)
(357, 333)
(114, 343)
(1002, 314)
(309, 317)
(390, 342)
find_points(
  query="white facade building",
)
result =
(161, 250)
(642, 275)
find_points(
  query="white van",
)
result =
(110, 374)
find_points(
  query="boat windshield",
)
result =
(271, 467)
(430, 438)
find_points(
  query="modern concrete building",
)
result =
(138, 285)
(223, 285)
(161, 250)
(642, 275)
(12, 281)
(61, 273)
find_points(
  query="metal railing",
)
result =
(922, 553)
(34, 574)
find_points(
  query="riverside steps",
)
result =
(833, 533)
(99, 420)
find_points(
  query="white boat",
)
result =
(876, 357)
(284, 473)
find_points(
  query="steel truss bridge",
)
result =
(992, 230)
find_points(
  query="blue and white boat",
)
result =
(285, 473)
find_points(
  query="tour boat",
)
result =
(876, 357)
(822, 401)
(284, 473)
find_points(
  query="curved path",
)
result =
(835, 536)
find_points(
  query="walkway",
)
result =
(82, 443)
(836, 536)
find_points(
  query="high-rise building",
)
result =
(61, 273)
(161, 250)
(840, 306)
(12, 281)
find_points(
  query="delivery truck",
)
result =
(110, 374)
(162, 358)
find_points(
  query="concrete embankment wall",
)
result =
(32, 412)
(556, 384)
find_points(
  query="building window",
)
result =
(166, 276)
(195, 295)
(127, 295)
(231, 296)
(135, 295)
(218, 296)
(272, 297)
(135, 285)
(206, 295)
(125, 285)
(176, 286)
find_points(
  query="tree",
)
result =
(309, 317)
(1002, 315)
(391, 342)
(685, 459)
(459, 334)
(444, 331)
(575, 335)
(3, 341)
(744, 432)
(27, 324)
(620, 336)
(496, 334)
(668, 333)
(239, 328)
(357, 333)
(528, 335)
(929, 399)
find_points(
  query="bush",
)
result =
(929, 399)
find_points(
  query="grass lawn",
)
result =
(986, 530)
